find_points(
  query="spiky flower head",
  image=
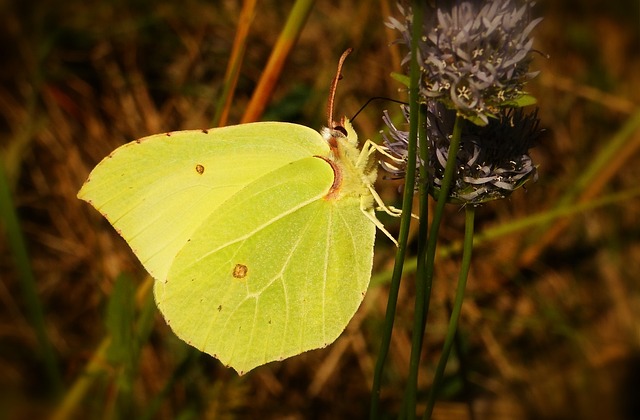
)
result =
(474, 56)
(492, 162)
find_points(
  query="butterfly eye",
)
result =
(341, 130)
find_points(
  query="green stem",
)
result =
(424, 282)
(232, 74)
(273, 69)
(405, 221)
(457, 307)
(422, 288)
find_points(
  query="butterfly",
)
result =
(259, 236)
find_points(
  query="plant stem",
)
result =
(235, 62)
(424, 282)
(457, 307)
(422, 288)
(287, 39)
(405, 221)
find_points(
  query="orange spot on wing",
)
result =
(240, 271)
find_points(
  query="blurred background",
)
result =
(550, 328)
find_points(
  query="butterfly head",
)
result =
(340, 132)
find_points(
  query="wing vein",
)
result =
(262, 226)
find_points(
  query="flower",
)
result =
(492, 162)
(474, 58)
(396, 146)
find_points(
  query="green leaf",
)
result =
(474, 119)
(119, 321)
(402, 78)
(521, 101)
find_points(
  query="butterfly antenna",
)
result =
(377, 98)
(334, 86)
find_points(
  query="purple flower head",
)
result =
(474, 56)
(493, 160)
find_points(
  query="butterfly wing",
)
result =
(278, 270)
(157, 191)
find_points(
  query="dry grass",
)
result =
(554, 335)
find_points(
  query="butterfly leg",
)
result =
(390, 210)
(369, 147)
(371, 215)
